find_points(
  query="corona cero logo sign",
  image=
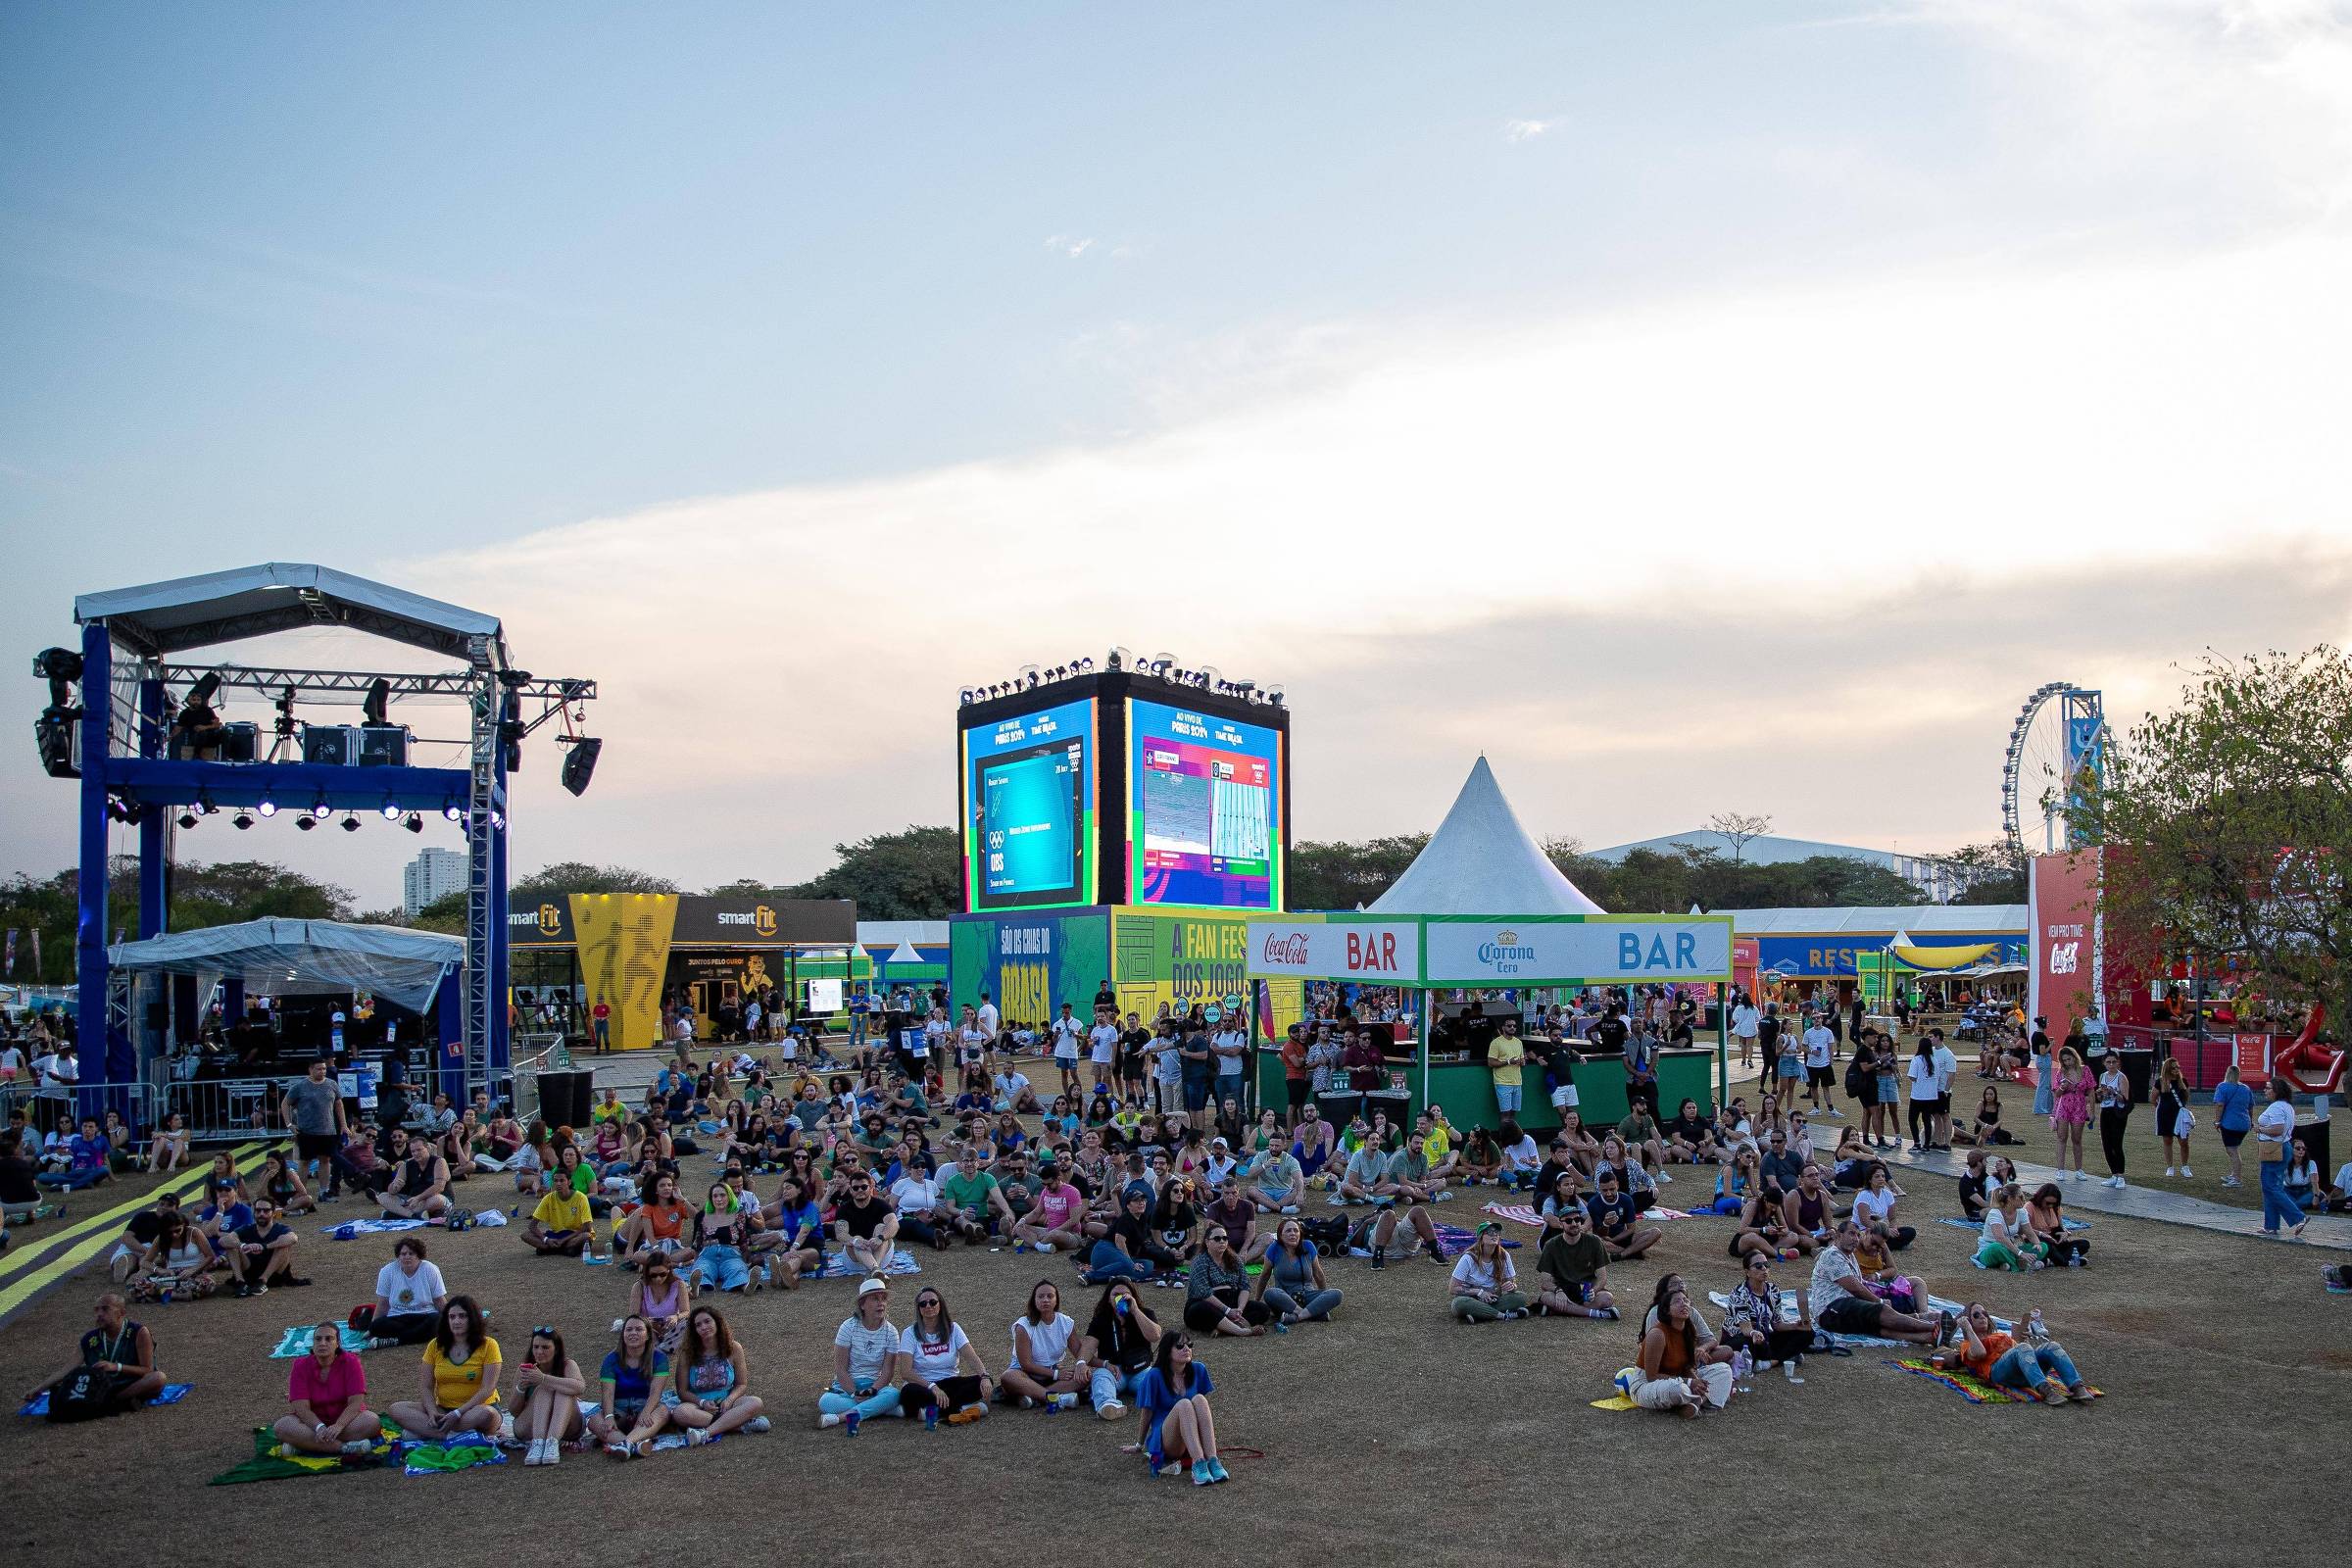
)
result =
(550, 919)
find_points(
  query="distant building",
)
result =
(432, 876)
(1938, 880)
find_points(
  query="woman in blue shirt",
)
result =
(2232, 1118)
(1173, 1396)
(799, 1223)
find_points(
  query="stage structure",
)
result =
(142, 735)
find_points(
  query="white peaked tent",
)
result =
(1482, 861)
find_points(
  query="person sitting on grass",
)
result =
(943, 1375)
(1691, 1136)
(1842, 1301)
(262, 1255)
(409, 1295)
(119, 1355)
(282, 1184)
(1810, 1207)
(1484, 1283)
(1752, 1321)
(2007, 1239)
(1481, 1159)
(632, 1411)
(865, 1362)
(1041, 1369)
(1291, 1283)
(712, 1380)
(1217, 1297)
(659, 1228)
(459, 1379)
(1641, 1188)
(167, 1149)
(1178, 1427)
(1613, 1221)
(549, 1383)
(328, 1391)
(1974, 1184)
(2044, 1215)
(972, 1194)
(419, 1187)
(1573, 1269)
(797, 1226)
(662, 1297)
(1277, 1181)
(1520, 1158)
(80, 1158)
(865, 1226)
(1874, 1206)
(2040, 1370)
(561, 1225)
(179, 1262)
(1117, 1347)
(1643, 1138)
(1057, 1219)
(1679, 1371)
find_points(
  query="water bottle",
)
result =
(2037, 1332)
(930, 1418)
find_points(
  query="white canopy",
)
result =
(904, 952)
(1482, 861)
(218, 607)
(298, 958)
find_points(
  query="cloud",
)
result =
(1526, 129)
(1070, 246)
(1830, 468)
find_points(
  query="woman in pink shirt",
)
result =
(329, 1395)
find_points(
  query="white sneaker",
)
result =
(1110, 1409)
(531, 1454)
(555, 1450)
(1065, 1402)
(2186, 1173)
(828, 1419)
(2116, 1182)
(1044, 1247)
(2169, 1171)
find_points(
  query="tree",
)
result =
(2226, 825)
(1341, 876)
(1988, 873)
(1738, 828)
(914, 874)
(577, 876)
(201, 895)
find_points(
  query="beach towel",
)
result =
(172, 1394)
(2070, 1222)
(1615, 1402)
(466, 1452)
(271, 1462)
(1522, 1214)
(837, 1265)
(296, 1340)
(2334, 1289)
(1964, 1382)
(1934, 1303)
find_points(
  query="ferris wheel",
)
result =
(2056, 740)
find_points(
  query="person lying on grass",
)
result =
(2040, 1369)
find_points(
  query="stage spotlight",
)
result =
(374, 711)
(351, 824)
(497, 819)
(321, 810)
(306, 822)
(415, 823)
(57, 663)
(391, 811)
(453, 811)
(579, 763)
(188, 819)
(242, 821)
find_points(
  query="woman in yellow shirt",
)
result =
(562, 1223)
(460, 1389)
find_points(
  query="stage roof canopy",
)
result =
(1482, 861)
(220, 606)
(304, 957)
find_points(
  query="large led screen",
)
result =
(1029, 810)
(1204, 810)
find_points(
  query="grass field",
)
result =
(1390, 1435)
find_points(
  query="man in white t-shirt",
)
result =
(1102, 1048)
(1745, 1021)
(1230, 1049)
(1067, 1032)
(990, 1019)
(1947, 1068)
(1821, 1050)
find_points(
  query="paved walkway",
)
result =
(2137, 1201)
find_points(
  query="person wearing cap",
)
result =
(866, 1363)
(1573, 1269)
(1484, 1283)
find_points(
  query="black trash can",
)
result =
(2140, 1066)
(566, 1098)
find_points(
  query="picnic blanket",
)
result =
(467, 1452)
(2069, 1221)
(271, 1462)
(1788, 1316)
(2334, 1289)
(1615, 1402)
(172, 1394)
(350, 1229)
(837, 1265)
(1964, 1382)
(296, 1340)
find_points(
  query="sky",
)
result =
(1693, 406)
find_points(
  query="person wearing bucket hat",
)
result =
(865, 1362)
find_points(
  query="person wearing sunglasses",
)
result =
(865, 1226)
(1178, 1427)
(549, 1385)
(1752, 1321)
(2037, 1369)
(1217, 1298)
(944, 1373)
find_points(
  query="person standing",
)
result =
(1506, 1059)
(2173, 1120)
(1821, 1048)
(313, 1109)
(1947, 1068)
(2273, 1139)
(1102, 1051)
(1229, 1046)
(1746, 1022)
(2115, 1114)
(2232, 1118)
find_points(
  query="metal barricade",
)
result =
(222, 1109)
(137, 1104)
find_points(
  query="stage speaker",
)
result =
(566, 1098)
(580, 765)
(330, 745)
(384, 746)
(241, 742)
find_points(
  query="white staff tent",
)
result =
(1481, 861)
(282, 957)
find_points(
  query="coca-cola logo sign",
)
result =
(1287, 948)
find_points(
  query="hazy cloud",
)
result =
(1068, 245)
(1526, 129)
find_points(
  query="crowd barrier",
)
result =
(138, 1103)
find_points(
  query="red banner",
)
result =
(2062, 904)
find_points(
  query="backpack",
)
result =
(85, 1394)
(1328, 1234)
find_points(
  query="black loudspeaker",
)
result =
(384, 746)
(241, 742)
(566, 1098)
(330, 745)
(580, 765)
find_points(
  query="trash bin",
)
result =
(2314, 1133)
(565, 1098)
(2140, 1066)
